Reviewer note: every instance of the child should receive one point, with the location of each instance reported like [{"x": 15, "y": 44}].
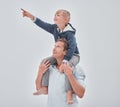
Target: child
[{"x": 60, "y": 29}]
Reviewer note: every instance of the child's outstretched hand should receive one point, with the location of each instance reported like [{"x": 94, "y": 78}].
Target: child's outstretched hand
[{"x": 27, "y": 14}]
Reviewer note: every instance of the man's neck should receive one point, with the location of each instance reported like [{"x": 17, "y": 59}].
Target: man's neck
[{"x": 59, "y": 62}]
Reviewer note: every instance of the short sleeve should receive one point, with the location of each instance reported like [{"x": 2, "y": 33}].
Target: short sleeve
[{"x": 80, "y": 75}]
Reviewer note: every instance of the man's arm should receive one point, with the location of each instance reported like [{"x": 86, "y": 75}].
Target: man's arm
[
  {"x": 42, "y": 69},
  {"x": 38, "y": 80},
  {"x": 78, "y": 88}
]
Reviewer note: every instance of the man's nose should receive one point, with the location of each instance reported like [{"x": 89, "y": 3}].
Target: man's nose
[{"x": 54, "y": 49}]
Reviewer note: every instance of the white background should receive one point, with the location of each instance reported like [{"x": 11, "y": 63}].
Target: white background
[{"x": 23, "y": 45}]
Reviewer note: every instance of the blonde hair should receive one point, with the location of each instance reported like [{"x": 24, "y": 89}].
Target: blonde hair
[{"x": 65, "y": 13}]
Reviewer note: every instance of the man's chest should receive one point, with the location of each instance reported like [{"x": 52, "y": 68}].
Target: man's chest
[{"x": 57, "y": 80}]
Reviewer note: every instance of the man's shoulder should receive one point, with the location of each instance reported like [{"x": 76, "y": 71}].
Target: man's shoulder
[{"x": 79, "y": 71}]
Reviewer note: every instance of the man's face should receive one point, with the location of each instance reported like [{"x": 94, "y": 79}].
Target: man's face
[{"x": 58, "y": 50}]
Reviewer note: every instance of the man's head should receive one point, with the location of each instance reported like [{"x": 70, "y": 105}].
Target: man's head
[
  {"x": 62, "y": 17},
  {"x": 60, "y": 48}
]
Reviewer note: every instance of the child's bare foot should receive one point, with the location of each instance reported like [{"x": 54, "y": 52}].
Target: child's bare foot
[
  {"x": 40, "y": 91},
  {"x": 37, "y": 92},
  {"x": 70, "y": 101},
  {"x": 69, "y": 97}
]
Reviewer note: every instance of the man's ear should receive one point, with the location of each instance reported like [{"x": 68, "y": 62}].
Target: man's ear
[{"x": 65, "y": 52}]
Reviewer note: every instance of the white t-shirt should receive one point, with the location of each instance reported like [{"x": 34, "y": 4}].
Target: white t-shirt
[{"x": 57, "y": 94}]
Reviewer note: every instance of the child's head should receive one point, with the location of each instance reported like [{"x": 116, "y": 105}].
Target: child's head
[{"x": 62, "y": 17}]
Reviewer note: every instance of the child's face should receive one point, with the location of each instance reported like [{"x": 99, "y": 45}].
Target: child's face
[{"x": 59, "y": 18}]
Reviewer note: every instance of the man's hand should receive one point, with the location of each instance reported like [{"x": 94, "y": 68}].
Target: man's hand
[
  {"x": 42, "y": 69},
  {"x": 61, "y": 68},
  {"x": 44, "y": 66},
  {"x": 67, "y": 69}
]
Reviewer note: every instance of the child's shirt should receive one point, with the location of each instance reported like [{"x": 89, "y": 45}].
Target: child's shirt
[{"x": 68, "y": 33}]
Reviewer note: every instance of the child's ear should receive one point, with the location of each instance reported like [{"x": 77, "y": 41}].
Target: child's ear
[{"x": 66, "y": 20}]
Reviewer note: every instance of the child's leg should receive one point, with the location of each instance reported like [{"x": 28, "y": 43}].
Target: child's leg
[
  {"x": 43, "y": 85},
  {"x": 42, "y": 90},
  {"x": 45, "y": 78},
  {"x": 69, "y": 91},
  {"x": 72, "y": 62},
  {"x": 52, "y": 60},
  {"x": 69, "y": 97}
]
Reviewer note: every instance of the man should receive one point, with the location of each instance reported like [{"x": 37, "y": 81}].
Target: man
[{"x": 57, "y": 81}]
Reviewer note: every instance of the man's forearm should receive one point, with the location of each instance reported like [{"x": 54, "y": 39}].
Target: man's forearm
[
  {"x": 39, "y": 80},
  {"x": 77, "y": 87}
]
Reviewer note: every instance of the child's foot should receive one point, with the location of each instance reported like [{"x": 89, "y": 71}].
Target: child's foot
[
  {"x": 69, "y": 97},
  {"x": 70, "y": 101},
  {"x": 37, "y": 92},
  {"x": 40, "y": 91}
]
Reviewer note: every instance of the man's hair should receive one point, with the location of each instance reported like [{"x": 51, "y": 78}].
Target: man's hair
[{"x": 65, "y": 43}]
